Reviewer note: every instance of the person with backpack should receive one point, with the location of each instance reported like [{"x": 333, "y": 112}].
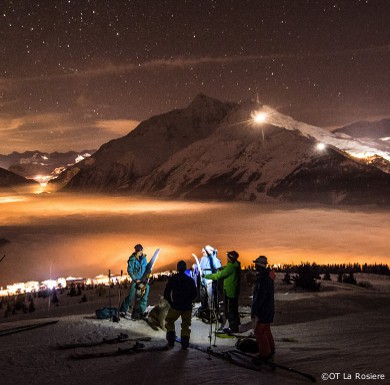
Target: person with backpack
[
  {"x": 180, "y": 292},
  {"x": 136, "y": 266},
  {"x": 231, "y": 289},
  {"x": 210, "y": 264},
  {"x": 263, "y": 308}
]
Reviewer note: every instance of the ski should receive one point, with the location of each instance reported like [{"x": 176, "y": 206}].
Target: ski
[
  {"x": 110, "y": 341},
  {"x": 135, "y": 349},
  {"x": 243, "y": 336},
  {"x": 198, "y": 264},
  {"x": 19, "y": 329},
  {"x": 149, "y": 267},
  {"x": 225, "y": 356},
  {"x": 272, "y": 364}
]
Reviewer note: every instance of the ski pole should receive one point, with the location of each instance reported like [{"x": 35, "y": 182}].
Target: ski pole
[
  {"x": 109, "y": 293},
  {"x": 120, "y": 289},
  {"x": 216, "y": 313}
]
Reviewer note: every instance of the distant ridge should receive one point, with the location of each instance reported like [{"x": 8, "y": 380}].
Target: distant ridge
[
  {"x": 214, "y": 150},
  {"x": 10, "y": 180}
]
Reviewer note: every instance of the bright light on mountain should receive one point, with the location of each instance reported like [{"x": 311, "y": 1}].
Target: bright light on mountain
[
  {"x": 321, "y": 146},
  {"x": 259, "y": 117}
]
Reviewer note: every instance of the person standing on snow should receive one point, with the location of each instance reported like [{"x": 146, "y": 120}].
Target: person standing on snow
[
  {"x": 180, "y": 292},
  {"x": 263, "y": 308},
  {"x": 231, "y": 289},
  {"x": 136, "y": 266},
  {"x": 210, "y": 264}
]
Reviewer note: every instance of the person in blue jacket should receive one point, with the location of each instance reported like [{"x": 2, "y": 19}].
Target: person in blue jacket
[
  {"x": 210, "y": 264},
  {"x": 136, "y": 266}
]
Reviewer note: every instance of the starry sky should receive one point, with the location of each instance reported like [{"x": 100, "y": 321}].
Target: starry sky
[{"x": 77, "y": 73}]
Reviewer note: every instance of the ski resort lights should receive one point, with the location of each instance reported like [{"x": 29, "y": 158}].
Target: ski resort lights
[
  {"x": 320, "y": 146},
  {"x": 259, "y": 117}
]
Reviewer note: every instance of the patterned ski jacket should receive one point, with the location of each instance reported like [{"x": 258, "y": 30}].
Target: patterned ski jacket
[
  {"x": 231, "y": 278},
  {"x": 136, "y": 267},
  {"x": 263, "y": 305}
]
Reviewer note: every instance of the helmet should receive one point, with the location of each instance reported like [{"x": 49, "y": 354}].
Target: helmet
[
  {"x": 208, "y": 249},
  {"x": 232, "y": 255},
  {"x": 261, "y": 261}
]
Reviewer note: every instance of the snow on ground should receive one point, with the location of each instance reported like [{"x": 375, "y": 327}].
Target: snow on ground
[{"x": 343, "y": 329}]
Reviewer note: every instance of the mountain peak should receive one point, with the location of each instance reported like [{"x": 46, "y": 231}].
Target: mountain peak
[{"x": 203, "y": 101}]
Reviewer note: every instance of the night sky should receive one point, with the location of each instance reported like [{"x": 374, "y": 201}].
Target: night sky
[{"x": 74, "y": 74}]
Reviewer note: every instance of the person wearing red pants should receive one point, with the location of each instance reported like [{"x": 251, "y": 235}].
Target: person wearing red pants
[{"x": 263, "y": 308}]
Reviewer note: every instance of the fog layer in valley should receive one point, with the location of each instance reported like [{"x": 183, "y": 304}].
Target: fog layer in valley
[{"x": 60, "y": 235}]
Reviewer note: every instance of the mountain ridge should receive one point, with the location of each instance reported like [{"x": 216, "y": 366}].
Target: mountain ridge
[{"x": 216, "y": 150}]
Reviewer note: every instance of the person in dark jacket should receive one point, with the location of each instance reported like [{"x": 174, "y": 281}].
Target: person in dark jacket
[
  {"x": 231, "y": 289},
  {"x": 180, "y": 292},
  {"x": 263, "y": 308}
]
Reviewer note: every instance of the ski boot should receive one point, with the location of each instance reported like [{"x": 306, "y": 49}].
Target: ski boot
[
  {"x": 171, "y": 337},
  {"x": 185, "y": 342}
]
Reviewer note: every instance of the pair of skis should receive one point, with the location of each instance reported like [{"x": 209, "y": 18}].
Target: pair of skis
[
  {"x": 120, "y": 338},
  {"x": 233, "y": 356},
  {"x": 251, "y": 336},
  {"x": 138, "y": 347},
  {"x": 19, "y": 329}
]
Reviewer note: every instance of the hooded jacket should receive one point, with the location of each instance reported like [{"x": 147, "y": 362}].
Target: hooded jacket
[
  {"x": 263, "y": 305},
  {"x": 231, "y": 278},
  {"x": 136, "y": 267}
]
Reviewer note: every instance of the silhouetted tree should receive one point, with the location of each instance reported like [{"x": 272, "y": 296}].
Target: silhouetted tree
[
  {"x": 349, "y": 279},
  {"x": 327, "y": 277},
  {"x": 306, "y": 277}
]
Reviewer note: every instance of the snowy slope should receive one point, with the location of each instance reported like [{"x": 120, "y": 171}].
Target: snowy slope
[
  {"x": 213, "y": 150},
  {"x": 245, "y": 161},
  {"x": 119, "y": 163}
]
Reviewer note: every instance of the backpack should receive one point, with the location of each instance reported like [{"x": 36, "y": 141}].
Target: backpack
[
  {"x": 206, "y": 315},
  {"x": 247, "y": 345},
  {"x": 107, "y": 312}
]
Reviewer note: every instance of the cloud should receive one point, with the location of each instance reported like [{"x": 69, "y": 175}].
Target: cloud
[
  {"x": 85, "y": 234},
  {"x": 118, "y": 126},
  {"x": 108, "y": 69},
  {"x": 58, "y": 131}
]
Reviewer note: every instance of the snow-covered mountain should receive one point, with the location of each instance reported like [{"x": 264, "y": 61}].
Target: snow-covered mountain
[
  {"x": 375, "y": 130},
  {"x": 36, "y": 164},
  {"x": 215, "y": 150},
  {"x": 118, "y": 164}
]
